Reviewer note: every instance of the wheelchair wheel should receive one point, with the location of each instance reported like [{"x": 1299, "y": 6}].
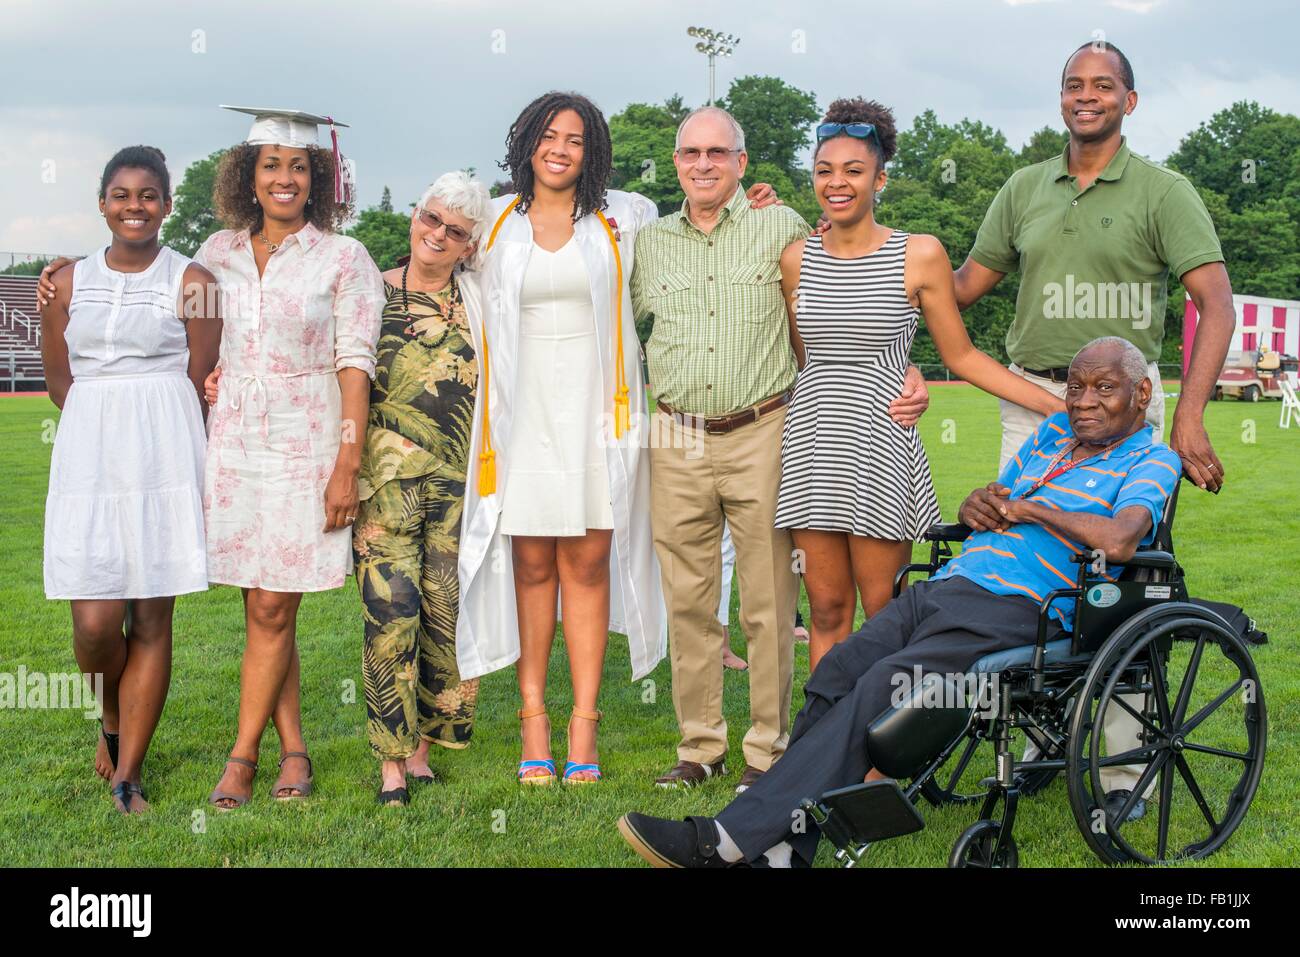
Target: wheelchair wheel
[
  {"x": 978, "y": 847},
  {"x": 1189, "y": 683}
]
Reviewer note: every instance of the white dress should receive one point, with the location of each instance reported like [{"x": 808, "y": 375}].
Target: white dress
[
  {"x": 124, "y": 515},
  {"x": 558, "y": 483}
]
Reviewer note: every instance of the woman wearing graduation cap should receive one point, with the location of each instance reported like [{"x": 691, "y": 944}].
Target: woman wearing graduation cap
[
  {"x": 302, "y": 304},
  {"x": 559, "y": 508}
]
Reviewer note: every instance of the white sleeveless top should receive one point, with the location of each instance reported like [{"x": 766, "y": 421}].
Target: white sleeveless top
[{"x": 126, "y": 323}]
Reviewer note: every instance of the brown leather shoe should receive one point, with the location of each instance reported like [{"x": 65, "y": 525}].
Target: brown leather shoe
[
  {"x": 690, "y": 773},
  {"x": 751, "y": 775}
]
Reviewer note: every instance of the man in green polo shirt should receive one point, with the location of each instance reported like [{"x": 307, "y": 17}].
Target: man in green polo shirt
[
  {"x": 1094, "y": 233},
  {"x": 721, "y": 369}
]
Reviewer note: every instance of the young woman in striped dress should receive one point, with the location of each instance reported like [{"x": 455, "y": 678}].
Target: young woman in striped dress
[{"x": 855, "y": 485}]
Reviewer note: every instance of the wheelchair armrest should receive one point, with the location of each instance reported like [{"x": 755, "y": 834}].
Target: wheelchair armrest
[
  {"x": 1145, "y": 558},
  {"x": 949, "y": 532},
  {"x": 1151, "y": 558}
]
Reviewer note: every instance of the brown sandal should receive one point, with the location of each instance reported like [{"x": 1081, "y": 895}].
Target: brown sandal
[
  {"x": 302, "y": 787},
  {"x": 239, "y": 799}
]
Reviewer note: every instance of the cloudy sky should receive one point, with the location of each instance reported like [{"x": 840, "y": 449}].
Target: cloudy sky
[{"x": 430, "y": 85}]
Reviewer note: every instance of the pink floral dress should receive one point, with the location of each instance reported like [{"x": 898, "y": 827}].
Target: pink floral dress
[{"x": 273, "y": 435}]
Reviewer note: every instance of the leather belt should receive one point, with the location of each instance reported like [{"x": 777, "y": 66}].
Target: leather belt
[
  {"x": 722, "y": 424},
  {"x": 1057, "y": 374}
]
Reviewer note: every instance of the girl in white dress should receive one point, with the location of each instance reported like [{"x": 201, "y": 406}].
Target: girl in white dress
[
  {"x": 127, "y": 341},
  {"x": 562, "y": 491},
  {"x": 559, "y": 483}
]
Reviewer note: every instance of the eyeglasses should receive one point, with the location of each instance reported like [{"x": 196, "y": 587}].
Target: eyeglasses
[
  {"x": 859, "y": 131},
  {"x": 433, "y": 221},
  {"x": 716, "y": 154}
]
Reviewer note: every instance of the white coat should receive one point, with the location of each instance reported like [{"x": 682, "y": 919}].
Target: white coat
[{"x": 487, "y": 628}]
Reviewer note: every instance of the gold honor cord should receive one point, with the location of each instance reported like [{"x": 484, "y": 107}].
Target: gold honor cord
[
  {"x": 620, "y": 379},
  {"x": 487, "y": 456},
  {"x": 487, "y": 466}
]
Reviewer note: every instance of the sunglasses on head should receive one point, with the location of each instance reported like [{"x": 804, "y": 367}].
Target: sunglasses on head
[
  {"x": 859, "y": 131},
  {"x": 433, "y": 221}
]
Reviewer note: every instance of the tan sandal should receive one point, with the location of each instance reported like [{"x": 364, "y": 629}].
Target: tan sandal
[
  {"x": 302, "y": 787},
  {"x": 573, "y": 767},
  {"x": 239, "y": 799},
  {"x": 547, "y": 763}
]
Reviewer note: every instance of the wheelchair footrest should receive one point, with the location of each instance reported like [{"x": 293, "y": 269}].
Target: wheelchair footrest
[{"x": 865, "y": 813}]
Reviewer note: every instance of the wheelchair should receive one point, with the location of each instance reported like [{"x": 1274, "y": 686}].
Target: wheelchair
[{"x": 1179, "y": 667}]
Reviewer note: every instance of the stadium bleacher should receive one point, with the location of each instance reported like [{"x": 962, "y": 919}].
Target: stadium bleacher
[{"x": 20, "y": 336}]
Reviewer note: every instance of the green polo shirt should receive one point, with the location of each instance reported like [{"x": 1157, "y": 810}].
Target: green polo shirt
[
  {"x": 721, "y": 340},
  {"x": 1093, "y": 262}
]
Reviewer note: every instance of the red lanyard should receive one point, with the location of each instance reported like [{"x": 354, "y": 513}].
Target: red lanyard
[{"x": 1054, "y": 467}]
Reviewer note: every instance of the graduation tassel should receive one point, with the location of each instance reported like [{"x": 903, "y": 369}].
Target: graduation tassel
[
  {"x": 342, "y": 185},
  {"x": 621, "y": 402},
  {"x": 487, "y": 472}
]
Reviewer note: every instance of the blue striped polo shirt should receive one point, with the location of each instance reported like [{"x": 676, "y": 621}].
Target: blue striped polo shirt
[{"x": 1030, "y": 560}]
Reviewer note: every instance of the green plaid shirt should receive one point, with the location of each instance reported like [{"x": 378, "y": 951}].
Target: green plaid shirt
[{"x": 721, "y": 340}]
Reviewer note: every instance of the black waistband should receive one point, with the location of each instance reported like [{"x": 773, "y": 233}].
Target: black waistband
[{"x": 1057, "y": 374}]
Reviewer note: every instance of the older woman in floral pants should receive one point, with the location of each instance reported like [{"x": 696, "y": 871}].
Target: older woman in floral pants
[{"x": 412, "y": 484}]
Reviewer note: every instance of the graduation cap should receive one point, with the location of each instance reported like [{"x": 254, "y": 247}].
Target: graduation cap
[{"x": 296, "y": 128}]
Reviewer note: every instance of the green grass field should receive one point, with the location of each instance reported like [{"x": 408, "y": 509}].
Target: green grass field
[{"x": 1239, "y": 546}]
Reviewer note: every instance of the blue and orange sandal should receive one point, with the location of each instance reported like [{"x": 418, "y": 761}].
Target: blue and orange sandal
[
  {"x": 572, "y": 768},
  {"x": 547, "y": 763}
]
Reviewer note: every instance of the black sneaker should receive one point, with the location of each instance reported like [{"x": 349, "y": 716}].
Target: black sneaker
[
  {"x": 664, "y": 843},
  {"x": 1115, "y": 803}
]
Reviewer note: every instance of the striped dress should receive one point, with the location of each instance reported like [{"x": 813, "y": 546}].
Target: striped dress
[{"x": 845, "y": 465}]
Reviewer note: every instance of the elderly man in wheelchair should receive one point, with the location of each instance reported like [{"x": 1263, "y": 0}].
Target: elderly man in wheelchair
[{"x": 1065, "y": 601}]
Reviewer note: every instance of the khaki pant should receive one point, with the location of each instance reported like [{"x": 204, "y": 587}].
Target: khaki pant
[
  {"x": 696, "y": 481},
  {"x": 1018, "y": 423}
]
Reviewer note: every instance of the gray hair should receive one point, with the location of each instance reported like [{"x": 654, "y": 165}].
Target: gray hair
[
  {"x": 1131, "y": 359},
  {"x": 461, "y": 193},
  {"x": 739, "y": 138}
]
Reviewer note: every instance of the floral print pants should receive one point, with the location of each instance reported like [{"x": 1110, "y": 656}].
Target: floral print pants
[{"x": 405, "y": 541}]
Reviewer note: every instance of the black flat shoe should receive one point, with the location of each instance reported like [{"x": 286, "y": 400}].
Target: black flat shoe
[
  {"x": 110, "y": 742},
  {"x": 395, "y": 797},
  {"x": 424, "y": 778},
  {"x": 122, "y": 792},
  {"x": 664, "y": 843}
]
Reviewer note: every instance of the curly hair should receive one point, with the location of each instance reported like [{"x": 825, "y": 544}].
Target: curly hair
[
  {"x": 858, "y": 110},
  {"x": 597, "y": 153},
  {"x": 233, "y": 191},
  {"x": 138, "y": 157}
]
